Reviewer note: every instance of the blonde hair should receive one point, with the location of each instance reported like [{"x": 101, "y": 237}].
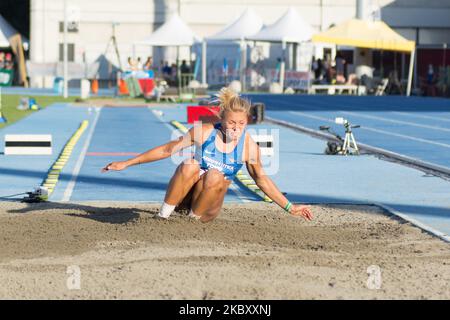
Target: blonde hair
[{"x": 229, "y": 100}]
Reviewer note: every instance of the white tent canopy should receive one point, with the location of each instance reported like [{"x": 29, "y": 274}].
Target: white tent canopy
[
  {"x": 175, "y": 32},
  {"x": 288, "y": 28},
  {"x": 6, "y": 31},
  {"x": 248, "y": 24}
]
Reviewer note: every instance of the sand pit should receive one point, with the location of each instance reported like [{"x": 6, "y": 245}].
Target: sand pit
[{"x": 252, "y": 251}]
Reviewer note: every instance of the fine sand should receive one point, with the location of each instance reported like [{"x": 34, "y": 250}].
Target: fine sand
[{"x": 251, "y": 251}]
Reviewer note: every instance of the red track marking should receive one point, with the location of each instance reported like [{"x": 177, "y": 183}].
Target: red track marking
[{"x": 112, "y": 154}]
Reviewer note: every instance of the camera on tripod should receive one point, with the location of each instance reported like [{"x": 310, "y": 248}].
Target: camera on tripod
[{"x": 346, "y": 146}]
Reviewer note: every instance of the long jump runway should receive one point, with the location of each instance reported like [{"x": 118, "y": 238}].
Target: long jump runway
[{"x": 122, "y": 133}]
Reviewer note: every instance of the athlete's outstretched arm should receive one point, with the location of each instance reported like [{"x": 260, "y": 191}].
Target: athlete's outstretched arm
[
  {"x": 155, "y": 154},
  {"x": 266, "y": 184}
]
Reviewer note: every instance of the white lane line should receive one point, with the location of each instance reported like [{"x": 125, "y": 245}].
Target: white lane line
[
  {"x": 421, "y": 116},
  {"x": 377, "y": 130},
  {"x": 395, "y": 121},
  {"x": 71, "y": 185},
  {"x": 410, "y": 114},
  {"x": 233, "y": 186}
]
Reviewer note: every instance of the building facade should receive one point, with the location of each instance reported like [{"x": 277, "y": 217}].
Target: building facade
[{"x": 425, "y": 21}]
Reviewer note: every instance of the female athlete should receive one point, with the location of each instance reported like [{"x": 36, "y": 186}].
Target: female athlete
[{"x": 201, "y": 182}]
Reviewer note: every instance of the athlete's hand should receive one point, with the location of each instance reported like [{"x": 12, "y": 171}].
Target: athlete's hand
[
  {"x": 302, "y": 211},
  {"x": 115, "y": 166}
]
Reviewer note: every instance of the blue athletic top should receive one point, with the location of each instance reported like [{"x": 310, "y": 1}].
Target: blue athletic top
[{"x": 210, "y": 157}]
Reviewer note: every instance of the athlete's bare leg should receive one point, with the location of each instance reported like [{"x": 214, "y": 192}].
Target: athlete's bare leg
[
  {"x": 186, "y": 175},
  {"x": 208, "y": 196}
]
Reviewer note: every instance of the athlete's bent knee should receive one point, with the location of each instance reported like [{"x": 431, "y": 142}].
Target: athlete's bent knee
[
  {"x": 214, "y": 179},
  {"x": 189, "y": 169}
]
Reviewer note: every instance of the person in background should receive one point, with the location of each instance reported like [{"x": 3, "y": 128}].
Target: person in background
[
  {"x": 321, "y": 69},
  {"x": 340, "y": 68},
  {"x": 324, "y": 70},
  {"x": 314, "y": 67},
  {"x": 352, "y": 79},
  {"x": 278, "y": 69},
  {"x": 2, "y": 60},
  {"x": 9, "y": 64},
  {"x": 166, "y": 70},
  {"x": 430, "y": 74},
  {"x": 394, "y": 85},
  {"x": 139, "y": 64},
  {"x": 328, "y": 70},
  {"x": 148, "y": 64},
  {"x": 161, "y": 68},
  {"x": 173, "y": 72},
  {"x": 131, "y": 64},
  {"x": 148, "y": 68},
  {"x": 430, "y": 88},
  {"x": 317, "y": 68},
  {"x": 184, "y": 68}
]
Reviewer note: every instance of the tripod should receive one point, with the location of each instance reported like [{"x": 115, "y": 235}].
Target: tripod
[
  {"x": 112, "y": 40},
  {"x": 349, "y": 140},
  {"x": 346, "y": 146}
]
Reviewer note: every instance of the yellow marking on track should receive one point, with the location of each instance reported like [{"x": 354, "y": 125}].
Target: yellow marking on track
[{"x": 52, "y": 177}]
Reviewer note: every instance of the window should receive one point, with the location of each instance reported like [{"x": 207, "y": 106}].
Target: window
[
  {"x": 71, "y": 27},
  {"x": 70, "y": 52}
]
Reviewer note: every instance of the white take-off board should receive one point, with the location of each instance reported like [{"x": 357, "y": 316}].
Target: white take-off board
[{"x": 28, "y": 144}]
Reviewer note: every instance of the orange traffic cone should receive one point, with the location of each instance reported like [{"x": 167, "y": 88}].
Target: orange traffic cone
[
  {"x": 94, "y": 86},
  {"x": 123, "y": 87}
]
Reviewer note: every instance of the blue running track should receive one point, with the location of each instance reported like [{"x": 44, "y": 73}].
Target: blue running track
[{"x": 413, "y": 126}]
